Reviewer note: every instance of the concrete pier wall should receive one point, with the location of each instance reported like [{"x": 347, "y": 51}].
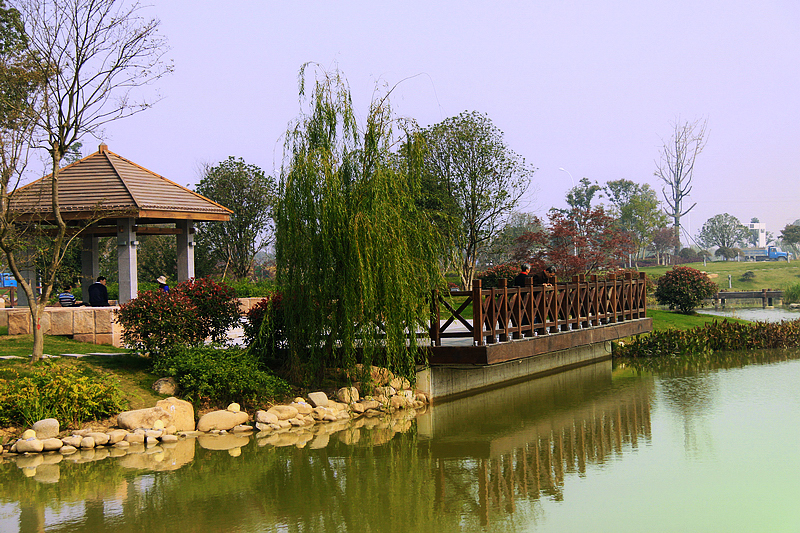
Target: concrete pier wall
[{"x": 448, "y": 382}]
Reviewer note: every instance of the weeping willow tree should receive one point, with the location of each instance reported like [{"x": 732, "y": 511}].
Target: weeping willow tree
[{"x": 356, "y": 258}]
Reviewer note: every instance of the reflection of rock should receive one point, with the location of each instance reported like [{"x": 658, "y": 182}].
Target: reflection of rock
[
  {"x": 319, "y": 441},
  {"x": 159, "y": 458},
  {"x": 349, "y": 436},
  {"x": 47, "y": 474},
  {"x": 29, "y": 461},
  {"x": 222, "y": 442}
]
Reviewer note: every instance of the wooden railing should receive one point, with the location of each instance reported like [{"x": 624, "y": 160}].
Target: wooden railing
[{"x": 507, "y": 313}]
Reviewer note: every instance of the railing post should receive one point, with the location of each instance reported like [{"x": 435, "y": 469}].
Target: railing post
[
  {"x": 435, "y": 319},
  {"x": 612, "y": 297},
  {"x": 763, "y": 298},
  {"x": 629, "y": 299},
  {"x": 555, "y": 308},
  {"x": 594, "y": 301},
  {"x": 504, "y": 309},
  {"x": 477, "y": 313},
  {"x": 642, "y": 295}
]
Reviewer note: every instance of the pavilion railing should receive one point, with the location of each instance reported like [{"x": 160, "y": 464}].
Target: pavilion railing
[{"x": 505, "y": 313}]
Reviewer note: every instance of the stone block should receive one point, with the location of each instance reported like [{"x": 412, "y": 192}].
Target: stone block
[
  {"x": 84, "y": 337},
  {"x": 104, "y": 338},
  {"x": 19, "y": 322},
  {"x": 3, "y": 318},
  {"x": 61, "y": 321},
  {"x": 103, "y": 319},
  {"x": 83, "y": 321}
]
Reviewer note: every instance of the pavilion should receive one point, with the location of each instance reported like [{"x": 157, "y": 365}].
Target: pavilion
[{"x": 106, "y": 195}]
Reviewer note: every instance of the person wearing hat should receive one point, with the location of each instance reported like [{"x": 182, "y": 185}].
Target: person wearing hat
[{"x": 162, "y": 283}]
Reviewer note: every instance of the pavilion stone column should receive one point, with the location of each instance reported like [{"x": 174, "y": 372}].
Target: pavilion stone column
[
  {"x": 185, "y": 247},
  {"x": 126, "y": 257},
  {"x": 30, "y": 275},
  {"x": 90, "y": 264}
]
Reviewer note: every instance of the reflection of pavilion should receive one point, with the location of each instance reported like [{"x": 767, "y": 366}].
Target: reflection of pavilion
[{"x": 521, "y": 441}]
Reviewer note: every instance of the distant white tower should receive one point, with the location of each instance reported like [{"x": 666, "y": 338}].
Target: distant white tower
[{"x": 761, "y": 230}]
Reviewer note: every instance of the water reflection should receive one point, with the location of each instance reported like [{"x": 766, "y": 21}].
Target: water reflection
[
  {"x": 519, "y": 443},
  {"x": 481, "y": 461}
]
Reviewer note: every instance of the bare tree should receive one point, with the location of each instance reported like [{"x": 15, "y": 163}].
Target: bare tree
[
  {"x": 676, "y": 167},
  {"x": 91, "y": 55}
]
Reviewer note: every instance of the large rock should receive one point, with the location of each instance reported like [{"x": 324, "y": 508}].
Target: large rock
[
  {"x": 222, "y": 420},
  {"x": 283, "y": 412},
  {"x": 181, "y": 413},
  {"x": 46, "y": 429},
  {"x": 399, "y": 383},
  {"x": 52, "y": 444},
  {"x": 302, "y": 407},
  {"x": 166, "y": 386},
  {"x": 318, "y": 399},
  {"x": 30, "y": 446},
  {"x": 347, "y": 395},
  {"x": 266, "y": 418},
  {"x": 171, "y": 411}
]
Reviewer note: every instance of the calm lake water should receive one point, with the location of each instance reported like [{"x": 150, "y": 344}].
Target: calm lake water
[{"x": 596, "y": 449}]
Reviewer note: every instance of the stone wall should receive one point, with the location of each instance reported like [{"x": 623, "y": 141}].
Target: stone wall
[{"x": 95, "y": 325}]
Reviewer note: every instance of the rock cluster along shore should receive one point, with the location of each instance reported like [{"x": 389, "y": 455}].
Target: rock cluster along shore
[{"x": 171, "y": 421}]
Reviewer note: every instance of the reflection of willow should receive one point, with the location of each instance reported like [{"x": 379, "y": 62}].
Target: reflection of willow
[{"x": 534, "y": 463}]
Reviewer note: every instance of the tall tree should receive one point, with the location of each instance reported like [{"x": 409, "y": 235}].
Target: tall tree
[
  {"x": 637, "y": 210},
  {"x": 250, "y": 194},
  {"x": 663, "y": 240},
  {"x": 675, "y": 168},
  {"x": 790, "y": 236},
  {"x": 723, "y": 231},
  {"x": 502, "y": 247},
  {"x": 484, "y": 177},
  {"x": 91, "y": 55},
  {"x": 356, "y": 255},
  {"x": 599, "y": 244},
  {"x": 20, "y": 94}
]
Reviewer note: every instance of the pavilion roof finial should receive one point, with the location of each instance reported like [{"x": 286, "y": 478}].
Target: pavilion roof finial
[{"x": 103, "y": 148}]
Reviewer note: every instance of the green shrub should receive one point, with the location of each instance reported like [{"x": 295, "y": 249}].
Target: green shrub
[
  {"x": 712, "y": 337},
  {"x": 490, "y": 278},
  {"x": 212, "y": 376},
  {"x": 217, "y": 307},
  {"x": 747, "y": 276},
  {"x": 253, "y": 289},
  {"x": 155, "y": 321},
  {"x": 791, "y": 294},
  {"x": 57, "y": 391},
  {"x": 684, "y": 289},
  {"x": 191, "y": 312},
  {"x": 264, "y": 331}
]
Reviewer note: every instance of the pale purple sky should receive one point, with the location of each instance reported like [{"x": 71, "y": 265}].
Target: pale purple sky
[{"x": 591, "y": 86}]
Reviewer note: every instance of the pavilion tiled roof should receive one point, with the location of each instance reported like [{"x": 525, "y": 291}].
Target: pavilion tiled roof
[{"x": 105, "y": 182}]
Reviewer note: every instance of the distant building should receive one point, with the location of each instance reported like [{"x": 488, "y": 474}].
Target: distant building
[{"x": 759, "y": 229}]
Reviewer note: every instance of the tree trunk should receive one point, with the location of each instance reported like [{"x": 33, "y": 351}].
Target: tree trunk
[{"x": 37, "y": 310}]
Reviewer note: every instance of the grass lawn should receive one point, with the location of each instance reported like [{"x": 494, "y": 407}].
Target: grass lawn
[
  {"x": 671, "y": 320},
  {"x": 767, "y": 274},
  {"x": 132, "y": 372}
]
